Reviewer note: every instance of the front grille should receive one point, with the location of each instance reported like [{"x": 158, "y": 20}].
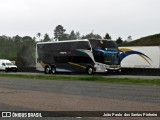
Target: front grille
[
  {"x": 113, "y": 66},
  {"x": 13, "y": 68}
]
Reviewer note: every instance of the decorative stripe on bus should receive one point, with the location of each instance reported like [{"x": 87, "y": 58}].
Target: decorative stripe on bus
[
  {"x": 126, "y": 52},
  {"x": 42, "y": 64},
  {"x": 77, "y": 65}
]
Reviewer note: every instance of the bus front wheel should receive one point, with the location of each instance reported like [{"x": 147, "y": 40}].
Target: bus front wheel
[
  {"x": 47, "y": 70},
  {"x": 90, "y": 70}
]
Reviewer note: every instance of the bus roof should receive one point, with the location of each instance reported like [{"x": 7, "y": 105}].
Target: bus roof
[
  {"x": 62, "y": 41},
  {"x": 72, "y": 41},
  {"x": 100, "y": 39}
]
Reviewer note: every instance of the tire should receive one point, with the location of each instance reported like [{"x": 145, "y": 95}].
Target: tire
[
  {"x": 47, "y": 70},
  {"x": 90, "y": 70},
  {"x": 53, "y": 69}
]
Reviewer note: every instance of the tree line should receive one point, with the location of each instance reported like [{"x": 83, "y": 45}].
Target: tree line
[
  {"x": 18, "y": 49},
  {"x": 22, "y": 50},
  {"x": 60, "y": 35}
]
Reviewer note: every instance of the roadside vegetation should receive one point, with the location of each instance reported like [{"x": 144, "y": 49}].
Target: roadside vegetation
[
  {"x": 94, "y": 78},
  {"x": 152, "y": 40}
]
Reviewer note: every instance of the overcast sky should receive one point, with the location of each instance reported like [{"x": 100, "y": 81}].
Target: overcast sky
[{"x": 136, "y": 18}]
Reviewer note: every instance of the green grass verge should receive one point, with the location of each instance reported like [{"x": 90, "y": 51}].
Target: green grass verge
[{"x": 86, "y": 78}]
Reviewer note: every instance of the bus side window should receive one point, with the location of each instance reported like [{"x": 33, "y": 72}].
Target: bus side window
[
  {"x": 98, "y": 56},
  {"x": 62, "y": 59},
  {"x": 75, "y": 59},
  {"x": 86, "y": 60},
  {"x": 81, "y": 59}
]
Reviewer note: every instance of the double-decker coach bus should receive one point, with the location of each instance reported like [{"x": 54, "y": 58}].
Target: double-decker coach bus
[{"x": 88, "y": 55}]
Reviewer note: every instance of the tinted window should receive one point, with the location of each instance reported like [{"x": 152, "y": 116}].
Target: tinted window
[
  {"x": 74, "y": 59},
  {"x": 62, "y": 59},
  {"x": 104, "y": 44},
  {"x": 64, "y": 46},
  {"x": 81, "y": 59},
  {"x": 98, "y": 56},
  {"x": 111, "y": 59}
]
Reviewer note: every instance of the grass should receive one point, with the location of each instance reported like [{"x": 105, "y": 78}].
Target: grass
[{"x": 87, "y": 78}]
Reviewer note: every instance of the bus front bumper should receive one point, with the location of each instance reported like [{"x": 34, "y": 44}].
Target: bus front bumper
[
  {"x": 113, "y": 70},
  {"x": 107, "y": 68}
]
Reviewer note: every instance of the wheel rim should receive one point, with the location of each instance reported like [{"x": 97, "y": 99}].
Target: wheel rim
[
  {"x": 47, "y": 70},
  {"x": 90, "y": 71},
  {"x": 53, "y": 70}
]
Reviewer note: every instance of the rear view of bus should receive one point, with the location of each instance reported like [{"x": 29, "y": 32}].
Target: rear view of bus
[{"x": 106, "y": 55}]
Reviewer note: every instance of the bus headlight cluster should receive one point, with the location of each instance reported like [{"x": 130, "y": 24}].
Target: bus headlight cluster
[{"x": 95, "y": 66}]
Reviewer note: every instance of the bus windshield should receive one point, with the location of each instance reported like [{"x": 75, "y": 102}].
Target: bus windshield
[
  {"x": 111, "y": 59},
  {"x": 104, "y": 44}
]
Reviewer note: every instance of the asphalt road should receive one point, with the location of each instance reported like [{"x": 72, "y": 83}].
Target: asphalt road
[{"x": 58, "y": 95}]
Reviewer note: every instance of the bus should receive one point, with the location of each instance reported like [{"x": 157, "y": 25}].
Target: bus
[{"x": 88, "y": 55}]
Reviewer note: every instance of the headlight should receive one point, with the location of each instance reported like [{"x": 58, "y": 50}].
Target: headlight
[{"x": 95, "y": 66}]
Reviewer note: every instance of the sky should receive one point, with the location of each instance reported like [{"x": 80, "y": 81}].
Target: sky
[{"x": 119, "y": 18}]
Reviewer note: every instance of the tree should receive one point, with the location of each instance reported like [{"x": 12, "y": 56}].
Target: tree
[
  {"x": 7, "y": 49},
  {"x": 18, "y": 49},
  {"x": 119, "y": 40},
  {"x": 78, "y": 35},
  {"x": 107, "y": 36},
  {"x": 46, "y": 38},
  {"x": 26, "y": 52},
  {"x": 59, "y": 33},
  {"x": 72, "y": 35},
  {"x": 129, "y": 39},
  {"x": 39, "y": 35},
  {"x": 91, "y": 35},
  {"x": 66, "y": 36},
  {"x": 17, "y": 43}
]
